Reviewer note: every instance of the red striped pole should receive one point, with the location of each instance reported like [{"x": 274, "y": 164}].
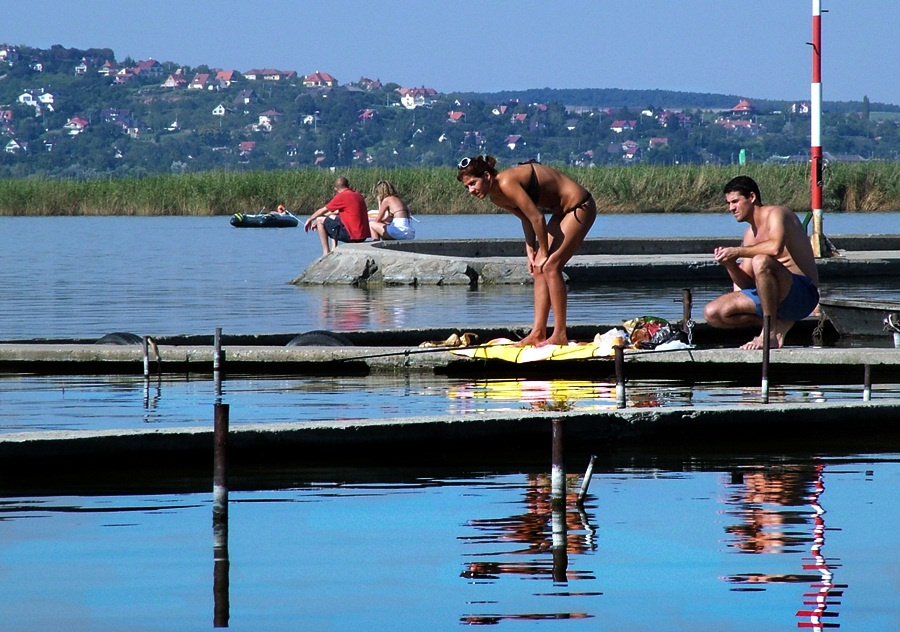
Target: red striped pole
[{"x": 816, "y": 165}]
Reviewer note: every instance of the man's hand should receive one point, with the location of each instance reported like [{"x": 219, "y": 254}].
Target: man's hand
[{"x": 725, "y": 254}]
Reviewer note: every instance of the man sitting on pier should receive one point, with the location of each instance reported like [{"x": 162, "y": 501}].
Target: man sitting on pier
[
  {"x": 773, "y": 270},
  {"x": 345, "y": 218}
]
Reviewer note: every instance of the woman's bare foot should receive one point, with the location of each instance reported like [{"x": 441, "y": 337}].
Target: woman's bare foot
[
  {"x": 531, "y": 339},
  {"x": 554, "y": 340}
]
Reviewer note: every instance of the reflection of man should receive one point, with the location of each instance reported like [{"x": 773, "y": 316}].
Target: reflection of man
[
  {"x": 345, "y": 218},
  {"x": 773, "y": 270}
]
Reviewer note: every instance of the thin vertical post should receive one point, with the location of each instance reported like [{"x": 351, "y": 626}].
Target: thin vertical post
[
  {"x": 620, "y": 376},
  {"x": 767, "y": 328},
  {"x": 687, "y": 304},
  {"x": 867, "y": 383},
  {"x": 586, "y": 481},
  {"x": 558, "y": 504},
  {"x": 220, "y": 460},
  {"x": 218, "y": 358},
  {"x": 145, "y": 349},
  {"x": 558, "y": 469},
  {"x": 217, "y": 350},
  {"x": 817, "y": 165}
]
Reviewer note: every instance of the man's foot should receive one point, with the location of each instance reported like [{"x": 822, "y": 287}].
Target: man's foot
[
  {"x": 776, "y": 338},
  {"x": 757, "y": 343}
]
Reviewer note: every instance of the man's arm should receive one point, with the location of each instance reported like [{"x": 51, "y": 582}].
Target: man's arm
[{"x": 318, "y": 213}]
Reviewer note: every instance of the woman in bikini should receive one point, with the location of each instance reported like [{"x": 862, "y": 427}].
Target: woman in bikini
[
  {"x": 393, "y": 219},
  {"x": 524, "y": 190}
]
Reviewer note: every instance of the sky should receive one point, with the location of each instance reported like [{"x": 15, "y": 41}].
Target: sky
[{"x": 754, "y": 49}]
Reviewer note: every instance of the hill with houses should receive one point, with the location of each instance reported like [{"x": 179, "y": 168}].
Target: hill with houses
[{"x": 84, "y": 113}]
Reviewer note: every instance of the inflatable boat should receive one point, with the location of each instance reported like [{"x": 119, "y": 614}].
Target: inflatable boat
[{"x": 264, "y": 220}]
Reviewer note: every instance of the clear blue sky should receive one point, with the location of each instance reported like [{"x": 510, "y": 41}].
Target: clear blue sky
[{"x": 754, "y": 49}]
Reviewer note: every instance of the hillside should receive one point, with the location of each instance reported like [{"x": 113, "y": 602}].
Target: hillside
[{"x": 84, "y": 114}]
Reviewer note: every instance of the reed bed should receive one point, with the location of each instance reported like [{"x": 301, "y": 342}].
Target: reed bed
[{"x": 866, "y": 187}]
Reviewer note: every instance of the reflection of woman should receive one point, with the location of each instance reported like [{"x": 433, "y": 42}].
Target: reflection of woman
[
  {"x": 524, "y": 190},
  {"x": 393, "y": 219}
]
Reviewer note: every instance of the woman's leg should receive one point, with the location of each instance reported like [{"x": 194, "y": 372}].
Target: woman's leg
[{"x": 567, "y": 233}]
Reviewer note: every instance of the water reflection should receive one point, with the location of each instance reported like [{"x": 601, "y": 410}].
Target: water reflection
[
  {"x": 37, "y": 402},
  {"x": 455, "y": 546},
  {"x": 773, "y": 505},
  {"x": 552, "y": 527}
]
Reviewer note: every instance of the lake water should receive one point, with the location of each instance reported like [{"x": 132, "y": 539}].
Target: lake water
[
  {"x": 744, "y": 542},
  {"x": 89, "y": 276}
]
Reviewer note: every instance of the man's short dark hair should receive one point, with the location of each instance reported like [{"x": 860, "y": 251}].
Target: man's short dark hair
[{"x": 745, "y": 185}]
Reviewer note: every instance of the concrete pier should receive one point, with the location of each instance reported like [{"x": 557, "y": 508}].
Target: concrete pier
[
  {"x": 429, "y": 438},
  {"x": 472, "y": 262}
]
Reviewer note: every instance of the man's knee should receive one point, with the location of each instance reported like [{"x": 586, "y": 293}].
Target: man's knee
[
  {"x": 764, "y": 264},
  {"x": 711, "y": 313}
]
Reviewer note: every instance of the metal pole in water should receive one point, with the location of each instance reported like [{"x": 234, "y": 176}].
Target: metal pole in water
[
  {"x": 145, "y": 348},
  {"x": 586, "y": 482},
  {"x": 558, "y": 470},
  {"x": 220, "y": 460},
  {"x": 218, "y": 357},
  {"x": 767, "y": 327},
  {"x": 558, "y": 504},
  {"x": 620, "y": 376},
  {"x": 221, "y": 563},
  {"x": 217, "y": 350},
  {"x": 867, "y": 383}
]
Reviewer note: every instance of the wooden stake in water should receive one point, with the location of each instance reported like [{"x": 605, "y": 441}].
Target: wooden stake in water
[
  {"x": 687, "y": 304},
  {"x": 767, "y": 328}
]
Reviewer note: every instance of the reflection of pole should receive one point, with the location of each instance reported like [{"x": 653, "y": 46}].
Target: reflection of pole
[
  {"x": 558, "y": 471},
  {"x": 767, "y": 328},
  {"x": 620, "y": 375},
  {"x": 828, "y": 593},
  {"x": 558, "y": 504},
  {"x": 221, "y": 568},
  {"x": 867, "y": 383},
  {"x": 220, "y": 517}
]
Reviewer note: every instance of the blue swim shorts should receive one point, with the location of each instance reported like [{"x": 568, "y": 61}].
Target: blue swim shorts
[{"x": 800, "y": 301}]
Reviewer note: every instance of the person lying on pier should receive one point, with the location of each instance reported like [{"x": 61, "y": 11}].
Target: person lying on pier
[
  {"x": 524, "y": 190},
  {"x": 393, "y": 219},
  {"x": 345, "y": 217},
  {"x": 773, "y": 271}
]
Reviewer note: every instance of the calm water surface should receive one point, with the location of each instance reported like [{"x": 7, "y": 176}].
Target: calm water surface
[
  {"x": 89, "y": 276},
  {"x": 98, "y": 402},
  {"x": 732, "y": 543},
  {"x": 745, "y": 544}
]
